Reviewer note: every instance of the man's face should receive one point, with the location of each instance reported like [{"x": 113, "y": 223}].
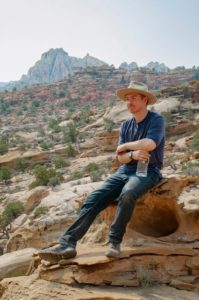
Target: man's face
[{"x": 135, "y": 102}]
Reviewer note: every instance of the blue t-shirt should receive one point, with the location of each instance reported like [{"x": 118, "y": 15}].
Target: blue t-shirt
[{"x": 151, "y": 127}]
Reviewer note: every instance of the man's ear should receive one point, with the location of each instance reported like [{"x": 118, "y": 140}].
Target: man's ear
[{"x": 146, "y": 99}]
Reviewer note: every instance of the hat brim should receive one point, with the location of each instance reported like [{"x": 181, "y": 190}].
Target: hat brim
[{"x": 123, "y": 92}]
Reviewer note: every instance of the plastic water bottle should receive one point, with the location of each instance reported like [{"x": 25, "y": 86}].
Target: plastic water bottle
[{"x": 142, "y": 168}]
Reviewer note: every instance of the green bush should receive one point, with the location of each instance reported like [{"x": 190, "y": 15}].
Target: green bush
[
  {"x": 195, "y": 141},
  {"x": 3, "y": 145},
  {"x": 39, "y": 211},
  {"x": 91, "y": 167},
  {"x": 191, "y": 169},
  {"x": 41, "y": 131},
  {"x": 167, "y": 115},
  {"x": 70, "y": 151},
  {"x": 53, "y": 181},
  {"x": 46, "y": 145},
  {"x": 60, "y": 162},
  {"x": 43, "y": 176},
  {"x": 62, "y": 94},
  {"x": 96, "y": 175},
  {"x": 4, "y": 107},
  {"x": 21, "y": 164},
  {"x": 109, "y": 125},
  {"x": 70, "y": 134},
  {"x": 54, "y": 125},
  {"x": 53, "y": 92},
  {"x": 76, "y": 175},
  {"x": 11, "y": 212},
  {"x": 5, "y": 174}
]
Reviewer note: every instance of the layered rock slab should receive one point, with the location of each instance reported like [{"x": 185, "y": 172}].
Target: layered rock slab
[
  {"x": 136, "y": 266},
  {"x": 31, "y": 288}
]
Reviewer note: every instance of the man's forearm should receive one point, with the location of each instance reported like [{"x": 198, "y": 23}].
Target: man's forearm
[{"x": 143, "y": 144}]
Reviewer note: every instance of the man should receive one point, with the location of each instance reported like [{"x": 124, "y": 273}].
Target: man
[{"x": 142, "y": 137}]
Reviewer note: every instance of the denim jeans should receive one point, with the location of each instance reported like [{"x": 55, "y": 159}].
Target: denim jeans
[{"x": 127, "y": 188}]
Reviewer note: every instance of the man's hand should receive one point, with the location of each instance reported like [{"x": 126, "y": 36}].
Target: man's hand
[
  {"x": 121, "y": 149},
  {"x": 124, "y": 157},
  {"x": 141, "y": 155}
]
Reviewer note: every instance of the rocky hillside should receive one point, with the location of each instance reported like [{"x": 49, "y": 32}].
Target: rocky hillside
[
  {"x": 57, "y": 144},
  {"x": 56, "y": 65}
]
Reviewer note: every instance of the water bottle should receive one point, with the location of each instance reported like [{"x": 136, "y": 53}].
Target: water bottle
[{"x": 142, "y": 168}]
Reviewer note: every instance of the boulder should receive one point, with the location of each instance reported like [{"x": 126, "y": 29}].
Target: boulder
[
  {"x": 34, "y": 197},
  {"x": 17, "y": 261}
]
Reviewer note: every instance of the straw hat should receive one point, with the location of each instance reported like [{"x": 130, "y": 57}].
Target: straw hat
[{"x": 136, "y": 87}]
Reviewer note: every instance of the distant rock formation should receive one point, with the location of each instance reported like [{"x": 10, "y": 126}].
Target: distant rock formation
[
  {"x": 152, "y": 66},
  {"x": 54, "y": 65},
  {"x": 157, "y": 67},
  {"x": 132, "y": 66}
]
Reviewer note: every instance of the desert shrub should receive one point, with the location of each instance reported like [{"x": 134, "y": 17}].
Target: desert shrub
[
  {"x": 53, "y": 181},
  {"x": 170, "y": 161},
  {"x": 43, "y": 176},
  {"x": 11, "y": 212},
  {"x": 60, "y": 162},
  {"x": 96, "y": 175},
  {"x": 70, "y": 151},
  {"x": 112, "y": 102},
  {"x": 195, "y": 141},
  {"x": 41, "y": 131},
  {"x": 39, "y": 211},
  {"x": 91, "y": 167},
  {"x": 36, "y": 103},
  {"x": 109, "y": 124},
  {"x": 191, "y": 169},
  {"x": 3, "y": 145},
  {"x": 62, "y": 94},
  {"x": 76, "y": 175},
  {"x": 21, "y": 164},
  {"x": 145, "y": 276},
  {"x": 84, "y": 118},
  {"x": 167, "y": 115},
  {"x": 5, "y": 174},
  {"x": 46, "y": 145},
  {"x": 4, "y": 107},
  {"x": 54, "y": 125},
  {"x": 70, "y": 134},
  {"x": 53, "y": 92}
]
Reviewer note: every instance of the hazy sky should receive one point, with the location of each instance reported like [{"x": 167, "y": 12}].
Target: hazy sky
[{"x": 111, "y": 30}]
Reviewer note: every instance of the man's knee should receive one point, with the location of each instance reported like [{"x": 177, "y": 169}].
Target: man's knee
[{"x": 128, "y": 198}]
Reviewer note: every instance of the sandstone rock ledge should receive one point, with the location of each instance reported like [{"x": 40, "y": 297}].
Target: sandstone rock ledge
[
  {"x": 160, "y": 251},
  {"x": 31, "y": 288},
  {"x": 160, "y": 246},
  {"x": 138, "y": 266}
]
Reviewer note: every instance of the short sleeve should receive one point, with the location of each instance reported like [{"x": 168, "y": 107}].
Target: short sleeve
[
  {"x": 156, "y": 130},
  {"x": 121, "y": 135}
]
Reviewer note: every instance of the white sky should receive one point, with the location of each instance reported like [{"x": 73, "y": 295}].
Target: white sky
[{"x": 111, "y": 30}]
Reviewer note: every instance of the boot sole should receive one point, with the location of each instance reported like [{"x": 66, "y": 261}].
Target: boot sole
[
  {"x": 112, "y": 255},
  {"x": 54, "y": 257}
]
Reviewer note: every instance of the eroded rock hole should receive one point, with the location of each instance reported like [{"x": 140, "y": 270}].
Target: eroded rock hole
[{"x": 155, "y": 220}]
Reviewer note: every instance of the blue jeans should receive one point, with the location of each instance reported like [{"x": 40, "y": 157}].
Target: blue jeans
[{"x": 127, "y": 188}]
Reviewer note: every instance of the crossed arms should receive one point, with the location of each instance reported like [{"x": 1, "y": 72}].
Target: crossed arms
[{"x": 140, "y": 148}]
